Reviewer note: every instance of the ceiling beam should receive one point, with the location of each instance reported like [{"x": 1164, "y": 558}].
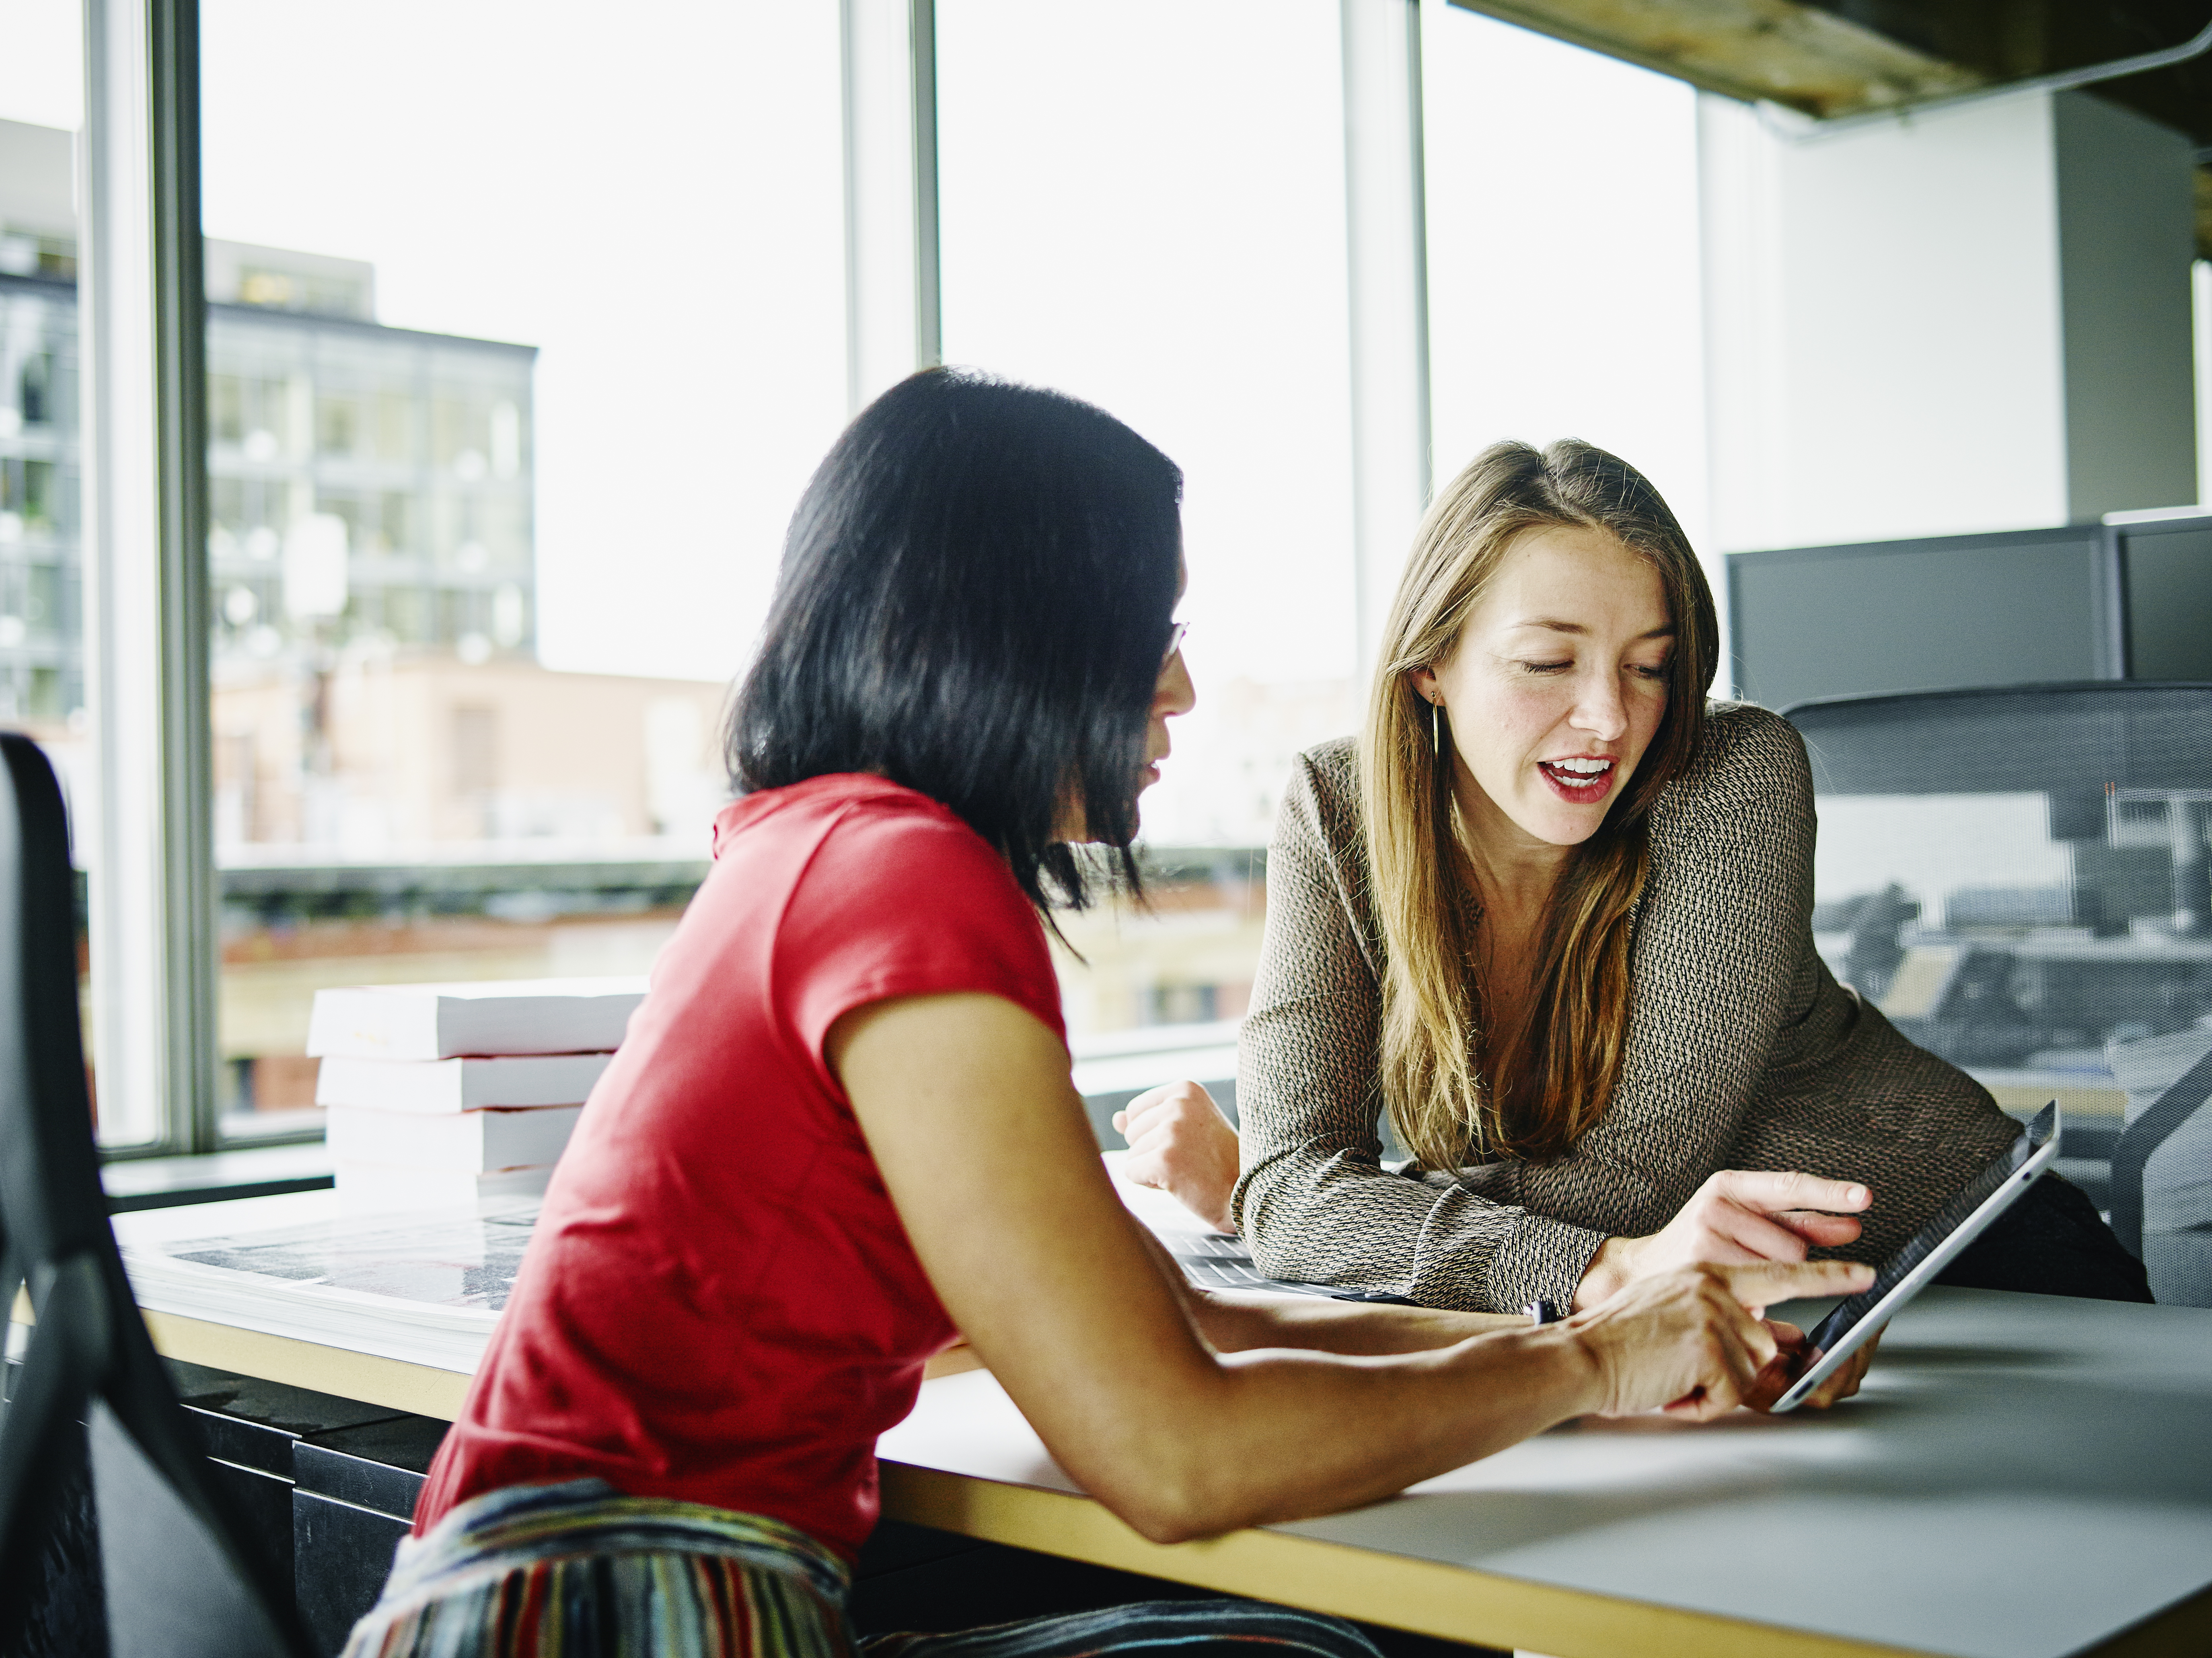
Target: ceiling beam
[
  {"x": 1778, "y": 50},
  {"x": 1808, "y": 58}
]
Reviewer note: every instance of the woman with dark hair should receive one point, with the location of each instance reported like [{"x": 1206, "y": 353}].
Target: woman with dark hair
[
  {"x": 841, "y": 1133},
  {"x": 1551, "y": 913}
]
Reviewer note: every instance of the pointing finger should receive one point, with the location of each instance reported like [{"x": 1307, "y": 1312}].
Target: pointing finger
[
  {"x": 1765, "y": 1283},
  {"x": 1770, "y": 1191}
]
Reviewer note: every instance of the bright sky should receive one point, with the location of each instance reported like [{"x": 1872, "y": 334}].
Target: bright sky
[
  {"x": 655, "y": 207},
  {"x": 1563, "y": 254},
  {"x": 42, "y": 71},
  {"x": 1142, "y": 205}
]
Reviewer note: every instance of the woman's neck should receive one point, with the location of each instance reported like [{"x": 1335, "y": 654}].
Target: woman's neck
[{"x": 1515, "y": 873}]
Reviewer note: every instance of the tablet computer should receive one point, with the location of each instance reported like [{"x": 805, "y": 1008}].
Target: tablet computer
[{"x": 1955, "y": 1225}]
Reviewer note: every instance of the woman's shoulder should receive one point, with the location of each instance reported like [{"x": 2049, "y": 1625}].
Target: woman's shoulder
[
  {"x": 1748, "y": 756},
  {"x": 853, "y": 840},
  {"x": 891, "y": 836},
  {"x": 1744, "y": 734},
  {"x": 1332, "y": 768},
  {"x": 1321, "y": 799}
]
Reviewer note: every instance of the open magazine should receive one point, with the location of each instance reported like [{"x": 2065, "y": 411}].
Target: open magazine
[{"x": 425, "y": 1287}]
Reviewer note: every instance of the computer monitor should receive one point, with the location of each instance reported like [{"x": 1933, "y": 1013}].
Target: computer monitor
[
  {"x": 1936, "y": 614},
  {"x": 2166, "y": 573}
]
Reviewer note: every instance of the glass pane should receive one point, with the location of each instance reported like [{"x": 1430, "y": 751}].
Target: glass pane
[
  {"x": 1563, "y": 254},
  {"x": 42, "y": 687},
  {"x": 519, "y": 351},
  {"x": 1143, "y": 205}
]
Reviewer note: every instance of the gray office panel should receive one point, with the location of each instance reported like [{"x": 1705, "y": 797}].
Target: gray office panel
[
  {"x": 1932, "y": 614},
  {"x": 2168, "y": 572}
]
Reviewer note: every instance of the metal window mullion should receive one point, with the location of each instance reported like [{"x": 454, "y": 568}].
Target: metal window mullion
[
  {"x": 893, "y": 314},
  {"x": 153, "y": 958},
  {"x": 928, "y": 307},
  {"x": 1385, "y": 237}
]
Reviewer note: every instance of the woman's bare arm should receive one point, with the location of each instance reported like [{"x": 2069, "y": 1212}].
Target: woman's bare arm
[
  {"x": 967, "y": 1106},
  {"x": 1237, "y": 1321}
]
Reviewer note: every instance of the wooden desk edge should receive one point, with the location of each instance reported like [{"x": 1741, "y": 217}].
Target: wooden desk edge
[
  {"x": 394, "y": 1383},
  {"x": 1426, "y": 1596},
  {"x": 397, "y": 1384},
  {"x": 1454, "y": 1603}
]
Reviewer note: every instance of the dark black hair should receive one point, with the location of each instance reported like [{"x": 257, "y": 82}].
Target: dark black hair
[{"x": 976, "y": 596}]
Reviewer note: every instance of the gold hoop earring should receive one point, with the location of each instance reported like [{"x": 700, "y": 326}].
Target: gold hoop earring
[{"x": 1436, "y": 730}]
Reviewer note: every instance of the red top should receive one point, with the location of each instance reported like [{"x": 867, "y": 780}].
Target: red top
[{"x": 719, "y": 1304}]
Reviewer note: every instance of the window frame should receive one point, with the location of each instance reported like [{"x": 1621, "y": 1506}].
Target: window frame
[{"x": 142, "y": 316}]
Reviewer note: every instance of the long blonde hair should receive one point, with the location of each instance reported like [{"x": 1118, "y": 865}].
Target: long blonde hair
[{"x": 1548, "y": 1083}]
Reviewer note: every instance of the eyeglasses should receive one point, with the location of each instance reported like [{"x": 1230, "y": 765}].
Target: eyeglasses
[{"x": 1175, "y": 644}]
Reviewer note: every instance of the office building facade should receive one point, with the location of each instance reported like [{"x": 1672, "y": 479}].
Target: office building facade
[{"x": 368, "y": 485}]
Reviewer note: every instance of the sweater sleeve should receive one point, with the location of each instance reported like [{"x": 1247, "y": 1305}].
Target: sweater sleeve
[{"x": 1313, "y": 1200}]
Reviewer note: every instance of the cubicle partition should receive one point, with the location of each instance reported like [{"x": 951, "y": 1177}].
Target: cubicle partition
[{"x": 2085, "y": 601}]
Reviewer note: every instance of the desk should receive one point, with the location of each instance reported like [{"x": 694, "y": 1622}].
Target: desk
[
  {"x": 2023, "y": 1478},
  {"x": 2006, "y": 1487}
]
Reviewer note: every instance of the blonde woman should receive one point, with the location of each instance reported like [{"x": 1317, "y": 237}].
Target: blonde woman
[{"x": 1551, "y": 915}]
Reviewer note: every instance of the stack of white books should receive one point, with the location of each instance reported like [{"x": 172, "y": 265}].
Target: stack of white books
[{"x": 444, "y": 1095}]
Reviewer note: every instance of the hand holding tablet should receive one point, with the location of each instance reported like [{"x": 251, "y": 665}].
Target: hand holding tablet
[
  {"x": 1738, "y": 1216},
  {"x": 1857, "y": 1321}
]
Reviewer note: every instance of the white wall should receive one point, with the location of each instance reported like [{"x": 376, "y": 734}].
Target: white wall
[
  {"x": 1977, "y": 319},
  {"x": 1882, "y": 320}
]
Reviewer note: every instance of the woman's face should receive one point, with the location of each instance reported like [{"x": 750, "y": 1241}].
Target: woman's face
[
  {"x": 1555, "y": 687},
  {"x": 1172, "y": 694}
]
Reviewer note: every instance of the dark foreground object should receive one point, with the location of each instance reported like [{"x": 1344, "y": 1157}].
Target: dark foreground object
[{"x": 2051, "y": 1242}]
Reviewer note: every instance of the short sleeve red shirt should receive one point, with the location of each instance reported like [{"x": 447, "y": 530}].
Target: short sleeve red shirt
[{"x": 719, "y": 1303}]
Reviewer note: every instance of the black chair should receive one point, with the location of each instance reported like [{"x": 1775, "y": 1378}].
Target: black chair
[
  {"x": 2019, "y": 878},
  {"x": 178, "y": 1581}
]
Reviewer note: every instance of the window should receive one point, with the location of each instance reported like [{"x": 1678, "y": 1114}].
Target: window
[
  {"x": 34, "y": 389},
  {"x": 1127, "y": 219},
  {"x": 1557, "y": 308},
  {"x": 507, "y": 405}
]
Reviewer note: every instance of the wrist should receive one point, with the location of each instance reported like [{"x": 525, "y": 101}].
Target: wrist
[
  {"x": 1608, "y": 1273},
  {"x": 1554, "y": 1371},
  {"x": 1578, "y": 1371}
]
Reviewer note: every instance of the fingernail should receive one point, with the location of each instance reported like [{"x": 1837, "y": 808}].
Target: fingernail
[{"x": 1860, "y": 1194}]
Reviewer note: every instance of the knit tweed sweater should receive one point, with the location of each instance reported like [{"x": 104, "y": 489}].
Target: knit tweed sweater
[{"x": 1743, "y": 1052}]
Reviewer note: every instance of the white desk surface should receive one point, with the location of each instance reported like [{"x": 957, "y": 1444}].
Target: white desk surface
[{"x": 2022, "y": 1477}]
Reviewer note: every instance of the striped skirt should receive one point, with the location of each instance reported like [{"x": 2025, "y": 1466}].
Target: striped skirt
[{"x": 576, "y": 1571}]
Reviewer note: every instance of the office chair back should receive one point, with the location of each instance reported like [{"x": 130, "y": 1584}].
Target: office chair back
[
  {"x": 2019, "y": 878},
  {"x": 179, "y": 1580}
]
